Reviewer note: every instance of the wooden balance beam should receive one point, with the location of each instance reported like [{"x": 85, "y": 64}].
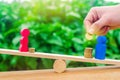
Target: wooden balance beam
[
  {"x": 59, "y": 64},
  {"x": 58, "y": 56},
  {"x": 94, "y": 73}
]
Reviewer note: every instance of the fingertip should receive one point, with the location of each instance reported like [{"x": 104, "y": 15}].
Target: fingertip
[
  {"x": 87, "y": 24},
  {"x": 91, "y": 31}
]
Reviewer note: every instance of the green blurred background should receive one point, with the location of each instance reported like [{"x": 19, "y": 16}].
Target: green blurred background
[{"x": 56, "y": 26}]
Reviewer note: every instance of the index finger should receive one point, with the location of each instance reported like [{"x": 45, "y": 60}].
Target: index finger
[
  {"x": 90, "y": 19},
  {"x": 87, "y": 24}
]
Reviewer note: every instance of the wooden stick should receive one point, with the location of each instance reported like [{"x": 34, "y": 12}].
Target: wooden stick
[{"x": 58, "y": 56}]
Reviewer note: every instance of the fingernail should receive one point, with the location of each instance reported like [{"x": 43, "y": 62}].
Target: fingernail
[{"x": 91, "y": 31}]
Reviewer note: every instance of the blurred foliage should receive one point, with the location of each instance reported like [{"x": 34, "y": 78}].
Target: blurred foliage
[{"x": 56, "y": 26}]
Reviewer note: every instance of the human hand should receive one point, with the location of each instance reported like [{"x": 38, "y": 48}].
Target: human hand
[{"x": 100, "y": 20}]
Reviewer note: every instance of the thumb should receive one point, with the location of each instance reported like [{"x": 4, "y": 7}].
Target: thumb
[{"x": 96, "y": 26}]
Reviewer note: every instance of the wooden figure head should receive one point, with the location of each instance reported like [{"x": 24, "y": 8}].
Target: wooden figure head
[{"x": 25, "y": 32}]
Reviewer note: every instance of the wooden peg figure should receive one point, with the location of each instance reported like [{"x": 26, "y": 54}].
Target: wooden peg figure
[
  {"x": 24, "y": 40},
  {"x": 100, "y": 49}
]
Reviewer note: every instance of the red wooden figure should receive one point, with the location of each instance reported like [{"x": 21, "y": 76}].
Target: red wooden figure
[{"x": 24, "y": 40}]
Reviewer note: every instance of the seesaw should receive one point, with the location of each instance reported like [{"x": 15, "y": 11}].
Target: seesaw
[{"x": 59, "y": 65}]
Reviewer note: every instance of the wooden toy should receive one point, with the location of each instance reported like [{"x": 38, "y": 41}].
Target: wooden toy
[
  {"x": 58, "y": 56},
  {"x": 59, "y": 66},
  {"x": 31, "y": 50},
  {"x": 70, "y": 74},
  {"x": 88, "y": 53},
  {"x": 24, "y": 40},
  {"x": 100, "y": 49}
]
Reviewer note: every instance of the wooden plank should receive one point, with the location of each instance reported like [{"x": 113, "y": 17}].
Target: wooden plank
[
  {"x": 99, "y": 73},
  {"x": 58, "y": 56}
]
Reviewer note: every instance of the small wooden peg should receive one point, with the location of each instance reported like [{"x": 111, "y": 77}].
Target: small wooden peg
[
  {"x": 59, "y": 66},
  {"x": 31, "y": 50},
  {"x": 88, "y": 53}
]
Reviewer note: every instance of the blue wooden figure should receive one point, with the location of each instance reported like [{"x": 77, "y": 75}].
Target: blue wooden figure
[{"x": 100, "y": 49}]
